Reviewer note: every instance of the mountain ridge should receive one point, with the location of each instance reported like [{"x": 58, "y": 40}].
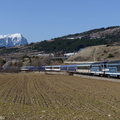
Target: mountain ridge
[
  {"x": 101, "y": 36},
  {"x": 11, "y": 40},
  {"x": 85, "y": 42},
  {"x": 94, "y": 33}
]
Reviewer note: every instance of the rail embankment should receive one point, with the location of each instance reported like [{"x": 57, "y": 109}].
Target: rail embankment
[{"x": 97, "y": 77}]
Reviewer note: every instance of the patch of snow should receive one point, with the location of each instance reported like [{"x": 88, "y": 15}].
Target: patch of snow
[{"x": 11, "y": 40}]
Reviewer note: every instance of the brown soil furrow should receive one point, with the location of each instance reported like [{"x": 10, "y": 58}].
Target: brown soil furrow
[
  {"x": 41, "y": 93},
  {"x": 26, "y": 96},
  {"x": 7, "y": 91}
]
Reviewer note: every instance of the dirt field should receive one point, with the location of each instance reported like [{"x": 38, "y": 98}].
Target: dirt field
[{"x": 35, "y": 96}]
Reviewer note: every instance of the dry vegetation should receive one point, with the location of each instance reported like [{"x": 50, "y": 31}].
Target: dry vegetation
[
  {"x": 97, "y": 53},
  {"x": 35, "y": 96}
]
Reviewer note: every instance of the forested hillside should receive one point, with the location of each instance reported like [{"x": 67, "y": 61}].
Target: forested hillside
[
  {"x": 77, "y": 41},
  {"x": 67, "y": 45}
]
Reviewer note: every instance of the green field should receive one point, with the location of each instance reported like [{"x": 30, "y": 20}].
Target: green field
[{"x": 35, "y": 96}]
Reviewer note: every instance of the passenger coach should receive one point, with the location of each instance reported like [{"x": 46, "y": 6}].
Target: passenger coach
[
  {"x": 98, "y": 68},
  {"x": 113, "y": 69},
  {"x": 83, "y": 68},
  {"x": 52, "y": 68}
]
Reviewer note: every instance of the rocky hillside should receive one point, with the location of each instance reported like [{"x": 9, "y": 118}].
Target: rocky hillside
[
  {"x": 97, "y": 53},
  {"x": 96, "y": 33}
]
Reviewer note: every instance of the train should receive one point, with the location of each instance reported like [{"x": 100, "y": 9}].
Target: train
[{"x": 103, "y": 68}]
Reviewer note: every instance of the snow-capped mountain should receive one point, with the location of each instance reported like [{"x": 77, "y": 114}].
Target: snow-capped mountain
[{"x": 12, "y": 40}]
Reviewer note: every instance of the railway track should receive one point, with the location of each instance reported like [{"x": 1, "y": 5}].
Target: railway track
[{"x": 98, "y": 77}]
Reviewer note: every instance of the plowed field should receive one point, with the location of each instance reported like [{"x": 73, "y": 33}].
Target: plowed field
[{"x": 35, "y": 96}]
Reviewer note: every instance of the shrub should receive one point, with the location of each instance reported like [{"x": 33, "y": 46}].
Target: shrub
[{"x": 110, "y": 55}]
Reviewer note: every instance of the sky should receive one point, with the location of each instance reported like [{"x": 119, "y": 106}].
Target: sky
[{"x": 39, "y": 20}]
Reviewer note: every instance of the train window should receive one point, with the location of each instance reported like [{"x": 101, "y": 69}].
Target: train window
[
  {"x": 83, "y": 67},
  {"x": 48, "y": 67},
  {"x": 112, "y": 65},
  {"x": 100, "y": 68},
  {"x": 96, "y": 65},
  {"x": 56, "y": 67},
  {"x": 118, "y": 68},
  {"x": 105, "y": 66}
]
